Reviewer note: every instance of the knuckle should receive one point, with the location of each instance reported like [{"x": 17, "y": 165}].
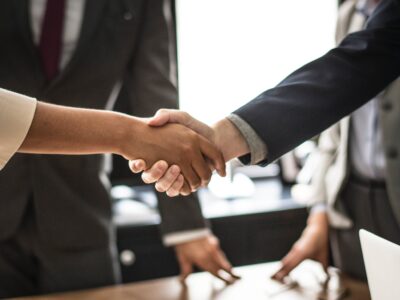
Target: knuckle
[
  {"x": 160, "y": 187},
  {"x": 215, "y": 241},
  {"x": 161, "y": 166},
  {"x": 214, "y": 248},
  {"x": 187, "y": 149},
  {"x": 155, "y": 175}
]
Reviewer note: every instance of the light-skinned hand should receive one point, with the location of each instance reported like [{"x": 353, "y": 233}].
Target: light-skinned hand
[
  {"x": 177, "y": 145},
  {"x": 223, "y": 134},
  {"x": 313, "y": 244},
  {"x": 206, "y": 254}
]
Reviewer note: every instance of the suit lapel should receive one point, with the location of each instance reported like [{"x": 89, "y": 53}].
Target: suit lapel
[{"x": 92, "y": 15}]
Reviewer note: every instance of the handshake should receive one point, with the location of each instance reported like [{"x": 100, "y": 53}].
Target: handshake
[{"x": 179, "y": 153}]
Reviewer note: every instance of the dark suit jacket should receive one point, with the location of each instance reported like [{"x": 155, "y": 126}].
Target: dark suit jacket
[
  {"x": 70, "y": 194},
  {"x": 329, "y": 88}
]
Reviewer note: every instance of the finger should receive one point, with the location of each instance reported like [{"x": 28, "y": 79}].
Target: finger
[
  {"x": 211, "y": 266},
  {"x": 164, "y": 116},
  {"x": 214, "y": 155},
  {"x": 220, "y": 258},
  {"x": 161, "y": 118},
  {"x": 291, "y": 261},
  {"x": 167, "y": 180},
  {"x": 202, "y": 170},
  {"x": 155, "y": 172},
  {"x": 186, "y": 190},
  {"x": 176, "y": 187},
  {"x": 224, "y": 264},
  {"x": 210, "y": 164},
  {"x": 191, "y": 177},
  {"x": 137, "y": 165},
  {"x": 185, "y": 267},
  {"x": 215, "y": 270}
]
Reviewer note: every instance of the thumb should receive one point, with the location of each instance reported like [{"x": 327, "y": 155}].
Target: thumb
[{"x": 162, "y": 117}]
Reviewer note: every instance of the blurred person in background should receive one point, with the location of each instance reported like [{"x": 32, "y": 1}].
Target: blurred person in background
[
  {"x": 354, "y": 182},
  {"x": 55, "y": 212},
  {"x": 362, "y": 183}
]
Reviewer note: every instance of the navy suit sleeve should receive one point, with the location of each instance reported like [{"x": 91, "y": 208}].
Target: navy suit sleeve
[{"x": 329, "y": 88}]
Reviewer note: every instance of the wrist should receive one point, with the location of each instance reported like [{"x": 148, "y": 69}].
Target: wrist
[
  {"x": 128, "y": 133},
  {"x": 229, "y": 139},
  {"x": 318, "y": 221}
]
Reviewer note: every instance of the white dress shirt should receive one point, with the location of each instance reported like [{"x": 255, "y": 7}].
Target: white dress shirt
[
  {"x": 367, "y": 156},
  {"x": 17, "y": 111},
  {"x": 74, "y": 10},
  {"x": 16, "y": 115}
]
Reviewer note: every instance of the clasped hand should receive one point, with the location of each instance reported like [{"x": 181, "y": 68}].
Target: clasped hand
[
  {"x": 187, "y": 156},
  {"x": 180, "y": 152},
  {"x": 201, "y": 149}
]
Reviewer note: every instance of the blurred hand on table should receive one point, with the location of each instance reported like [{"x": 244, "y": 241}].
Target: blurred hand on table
[
  {"x": 313, "y": 244},
  {"x": 206, "y": 254}
]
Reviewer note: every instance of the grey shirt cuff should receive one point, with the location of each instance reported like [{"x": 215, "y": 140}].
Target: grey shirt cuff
[{"x": 258, "y": 149}]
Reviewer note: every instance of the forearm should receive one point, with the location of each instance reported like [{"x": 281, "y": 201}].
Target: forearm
[
  {"x": 66, "y": 130},
  {"x": 329, "y": 88},
  {"x": 317, "y": 221}
]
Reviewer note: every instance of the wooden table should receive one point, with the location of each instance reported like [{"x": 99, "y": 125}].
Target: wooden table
[{"x": 255, "y": 284}]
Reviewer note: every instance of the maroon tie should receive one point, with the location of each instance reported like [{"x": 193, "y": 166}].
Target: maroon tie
[{"x": 51, "y": 37}]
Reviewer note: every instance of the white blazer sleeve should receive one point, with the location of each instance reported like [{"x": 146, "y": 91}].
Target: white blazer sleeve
[{"x": 16, "y": 115}]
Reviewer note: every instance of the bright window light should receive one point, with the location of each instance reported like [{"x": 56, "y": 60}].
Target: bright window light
[{"x": 229, "y": 51}]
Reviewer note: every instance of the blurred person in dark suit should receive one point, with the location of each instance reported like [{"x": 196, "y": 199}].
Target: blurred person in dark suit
[
  {"x": 56, "y": 232},
  {"x": 354, "y": 184}
]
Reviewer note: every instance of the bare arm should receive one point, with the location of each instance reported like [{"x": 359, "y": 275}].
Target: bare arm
[
  {"x": 66, "y": 130},
  {"x": 224, "y": 134}
]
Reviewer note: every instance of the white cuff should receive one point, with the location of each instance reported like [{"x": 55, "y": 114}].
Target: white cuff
[
  {"x": 180, "y": 237},
  {"x": 317, "y": 208},
  {"x": 16, "y": 115}
]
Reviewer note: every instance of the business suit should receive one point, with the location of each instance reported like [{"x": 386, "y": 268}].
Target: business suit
[
  {"x": 63, "y": 201},
  {"x": 333, "y": 167},
  {"x": 329, "y": 88},
  {"x": 352, "y": 200}
]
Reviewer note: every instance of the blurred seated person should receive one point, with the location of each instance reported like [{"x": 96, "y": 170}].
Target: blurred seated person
[{"x": 355, "y": 180}]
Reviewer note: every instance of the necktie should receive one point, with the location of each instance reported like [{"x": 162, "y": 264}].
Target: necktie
[{"x": 51, "y": 37}]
